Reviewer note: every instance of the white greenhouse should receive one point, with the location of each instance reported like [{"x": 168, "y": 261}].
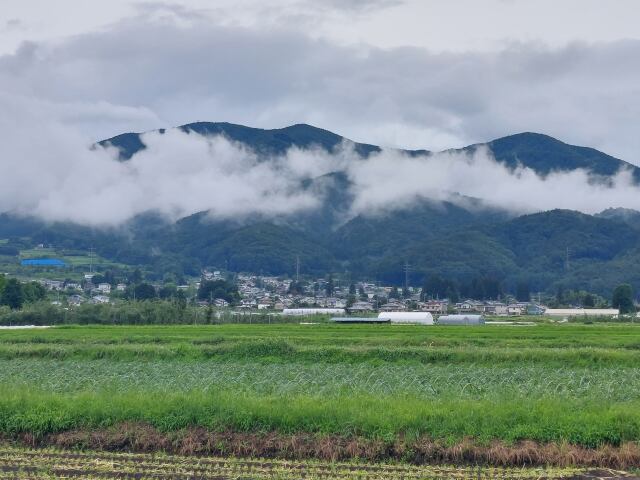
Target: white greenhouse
[
  {"x": 461, "y": 320},
  {"x": 419, "y": 318}
]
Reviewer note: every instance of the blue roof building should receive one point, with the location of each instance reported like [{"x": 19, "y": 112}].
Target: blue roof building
[{"x": 42, "y": 262}]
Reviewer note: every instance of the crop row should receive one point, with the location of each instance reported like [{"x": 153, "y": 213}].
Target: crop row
[
  {"x": 281, "y": 350},
  {"x": 428, "y": 381},
  {"x": 18, "y": 463}
]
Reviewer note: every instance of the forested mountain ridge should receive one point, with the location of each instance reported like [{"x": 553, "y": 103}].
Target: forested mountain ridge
[
  {"x": 546, "y": 250},
  {"x": 539, "y": 152}
]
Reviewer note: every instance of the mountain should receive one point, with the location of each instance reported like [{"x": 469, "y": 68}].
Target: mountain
[
  {"x": 265, "y": 142},
  {"x": 458, "y": 241},
  {"x": 541, "y": 153},
  {"x": 545, "y": 154},
  {"x": 626, "y": 215}
]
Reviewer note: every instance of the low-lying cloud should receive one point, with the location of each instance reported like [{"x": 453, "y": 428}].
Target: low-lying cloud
[
  {"x": 52, "y": 172},
  {"x": 392, "y": 180}
]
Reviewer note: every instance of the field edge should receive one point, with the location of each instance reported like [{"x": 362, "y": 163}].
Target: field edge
[{"x": 143, "y": 438}]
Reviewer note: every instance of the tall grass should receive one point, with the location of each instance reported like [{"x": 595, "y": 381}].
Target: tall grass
[
  {"x": 570, "y": 383},
  {"x": 422, "y": 381},
  {"x": 588, "y": 423}
]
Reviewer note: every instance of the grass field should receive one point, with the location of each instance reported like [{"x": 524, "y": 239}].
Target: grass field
[
  {"x": 77, "y": 264},
  {"x": 385, "y": 385}
]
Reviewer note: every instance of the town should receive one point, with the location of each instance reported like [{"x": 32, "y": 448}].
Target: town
[{"x": 245, "y": 293}]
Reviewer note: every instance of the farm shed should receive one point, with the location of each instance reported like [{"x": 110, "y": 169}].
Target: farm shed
[
  {"x": 420, "y": 318},
  {"x": 461, "y": 320},
  {"x": 313, "y": 311}
]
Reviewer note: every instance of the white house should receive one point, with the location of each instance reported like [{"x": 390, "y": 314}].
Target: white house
[{"x": 100, "y": 299}]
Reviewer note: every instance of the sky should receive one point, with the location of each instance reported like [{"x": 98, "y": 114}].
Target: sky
[
  {"x": 396, "y": 73},
  {"x": 402, "y": 73}
]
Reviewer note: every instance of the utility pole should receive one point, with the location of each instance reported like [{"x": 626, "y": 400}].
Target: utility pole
[
  {"x": 91, "y": 249},
  {"x": 406, "y": 269},
  {"x": 297, "y": 268}
]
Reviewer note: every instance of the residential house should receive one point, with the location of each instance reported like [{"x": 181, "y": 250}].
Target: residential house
[
  {"x": 221, "y": 302},
  {"x": 434, "y": 306},
  {"x": 99, "y": 299},
  {"x": 533, "y": 309},
  {"x": 515, "y": 309},
  {"x": 360, "y": 307},
  {"x": 393, "y": 307}
]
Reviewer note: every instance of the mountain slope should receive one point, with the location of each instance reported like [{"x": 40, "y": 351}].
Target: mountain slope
[
  {"x": 545, "y": 154},
  {"x": 266, "y": 142},
  {"x": 459, "y": 243},
  {"x": 542, "y": 153}
]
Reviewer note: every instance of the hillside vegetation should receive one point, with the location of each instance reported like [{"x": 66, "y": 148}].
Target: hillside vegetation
[{"x": 548, "y": 250}]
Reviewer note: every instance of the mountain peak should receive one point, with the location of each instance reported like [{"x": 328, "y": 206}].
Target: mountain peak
[
  {"x": 546, "y": 154},
  {"x": 540, "y": 152}
]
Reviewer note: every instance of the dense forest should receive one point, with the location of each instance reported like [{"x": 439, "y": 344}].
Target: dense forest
[{"x": 544, "y": 251}]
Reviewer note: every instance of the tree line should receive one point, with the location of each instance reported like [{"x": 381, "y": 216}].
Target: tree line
[{"x": 14, "y": 294}]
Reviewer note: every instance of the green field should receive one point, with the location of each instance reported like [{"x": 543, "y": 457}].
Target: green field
[
  {"x": 77, "y": 264},
  {"x": 575, "y": 385}
]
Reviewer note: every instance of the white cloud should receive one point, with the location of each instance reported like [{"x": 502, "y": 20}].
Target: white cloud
[
  {"x": 51, "y": 172},
  {"x": 162, "y": 73},
  {"x": 58, "y": 97},
  {"x": 391, "y": 180}
]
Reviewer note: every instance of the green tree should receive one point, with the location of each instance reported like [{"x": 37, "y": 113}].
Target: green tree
[
  {"x": 435, "y": 286},
  {"x": 330, "y": 287},
  {"x": 452, "y": 295},
  {"x": 523, "y": 293},
  {"x": 12, "y": 294},
  {"x": 296, "y": 288},
  {"x": 352, "y": 289},
  {"x": 181, "y": 299},
  {"x": 136, "y": 276},
  {"x": 623, "y": 298},
  {"x": 33, "y": 292},
  {"x": 3, "y": 281},
  {"x": 588, "y": 301},
  {"x": 351, "y": 299},
  {"x": 212, "y": 289},
  {"x": 168, "y": 291},
  {"x": 560, "y": 295},
  {"x": 144, "y": 291}
]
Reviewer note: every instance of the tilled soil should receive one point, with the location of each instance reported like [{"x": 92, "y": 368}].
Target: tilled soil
[
  {"x": 23, "y": 463},
  {"x": 142, "y": 438}
]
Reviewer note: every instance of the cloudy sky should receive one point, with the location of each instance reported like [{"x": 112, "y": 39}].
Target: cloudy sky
[
  {"x": 411, "y": 73},
  {"x": 397, "y": 73}
]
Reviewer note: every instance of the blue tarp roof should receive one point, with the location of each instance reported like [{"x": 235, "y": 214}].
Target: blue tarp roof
[{"x": 43, "y": 262}]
